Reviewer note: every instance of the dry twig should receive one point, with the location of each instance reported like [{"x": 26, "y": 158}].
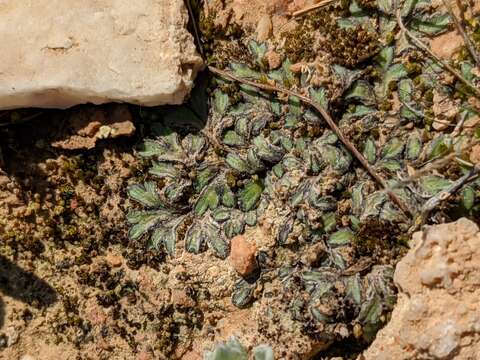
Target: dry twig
[
  {"x": 445, "y": 65},
  {"x": 461, "y": 30},
  {"x": 196, "y": 32},
  {"x": 312, "y": 7},
  {"x": 331, "y": 123},
  {"x": 435, "y": 165},
  {"x": 433, "y": 202}
]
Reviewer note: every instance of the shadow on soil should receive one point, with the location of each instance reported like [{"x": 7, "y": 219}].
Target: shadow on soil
[{"x": 24, "y": 286}]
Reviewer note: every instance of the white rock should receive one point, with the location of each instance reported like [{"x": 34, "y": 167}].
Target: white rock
[{"x": 59, "y": 53}]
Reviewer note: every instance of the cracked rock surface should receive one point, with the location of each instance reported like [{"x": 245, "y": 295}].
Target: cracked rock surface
[
  {"x": 59, "y": 53},
  {"x": 438, "y": 314}
]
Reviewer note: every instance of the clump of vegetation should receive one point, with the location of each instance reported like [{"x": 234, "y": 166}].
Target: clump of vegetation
[{"x": 256, "y": 162}]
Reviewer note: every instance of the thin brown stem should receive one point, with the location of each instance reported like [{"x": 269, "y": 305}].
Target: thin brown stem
[
  {"x": 460, "y": 8},
  {"x": 307, "y": 9},
  {"x": 436, "y": 200},
  {"x": 331, "y": 123},
  {"x": 436, "y": 164},
  {"x": 445, "y": 65},
  {"x": 196, "y": 32},
  {"x": 461, "y": 31}
]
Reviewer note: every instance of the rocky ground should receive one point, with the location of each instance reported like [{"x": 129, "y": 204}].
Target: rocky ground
[{"x": 75, "y": 283}]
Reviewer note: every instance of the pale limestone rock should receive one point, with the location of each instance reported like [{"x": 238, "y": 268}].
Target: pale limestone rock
[
  {"x": 59, "y": 53},
  {"x": 438, "y": 313}
]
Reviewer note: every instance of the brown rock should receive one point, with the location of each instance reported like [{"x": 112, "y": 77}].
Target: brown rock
[
  {"x": 87, "y": 125},
  {"x": 242, "y": 255},
  {"x": 114, "y": 260},
  {"x": 473, "y": 122},
  {"x": 437, "y": 315},
  {"x": 446, "y": 45},
  {"x": 296, "y": 5},
  {"x": 297, "y": 67},
  {"x": 274, "y": 59},
  {"x": 121, "y": 121},
  {"x": 264, "y": 28},
  {"x": 91, "y": 128},
  {"x": 475, "y": 154}
]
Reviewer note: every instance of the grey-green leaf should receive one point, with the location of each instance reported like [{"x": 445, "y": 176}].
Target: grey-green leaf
[
  {"x": 242, "y": 293},
  {"x": 385, "y": 58},
  {"x": 163, "y": 169},
  {"x": 263, "y": 352},
  {"x": 319, "y": 96},
  {"x": 386, "y": 6},
  {"x": 236, "y": 163},
  {"x": 231, "y": 350},
  {"x": 431, "y": 25},
  {"x": 220, "y": 101},
  {"x": 414, "y": 146},
  {"x": 208, "y": 200},
  {"x": 394, "y": 73},
  {"x": 166, "y": 236},
  {"x": 433, "y": 184},
  {"x": 362, "y": 91},
  {"x": 144, "y": 221},
  {"x": 341, "y": 237},
  {"x": 231, "y": 138},
  {"x": 145, "y": 194},
  {"x": 346, "y": 76},
  {"x": 468, "y": 197},
  {"x": 370, "y": 151},
  {"x": 243, "y": 71},
  {"x": 258, "y": 50},
  {"x": 393, "y": 148},
  {"x": 250, "y": 194},
  {"x": 439, "y": 146}
]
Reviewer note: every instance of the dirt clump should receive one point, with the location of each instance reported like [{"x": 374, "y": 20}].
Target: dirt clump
[{"x": 85, "y": 127}]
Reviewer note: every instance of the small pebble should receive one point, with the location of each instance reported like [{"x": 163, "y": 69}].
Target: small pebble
[
  {"x": 475, "y": 154},
  {"x": 297, "y": 67},
  {"x": 114, "y": 260},
  {"x": 274, "y": 60},
  {"x": 264, "y": 28},
  {"x": 242, "y": 255}
]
